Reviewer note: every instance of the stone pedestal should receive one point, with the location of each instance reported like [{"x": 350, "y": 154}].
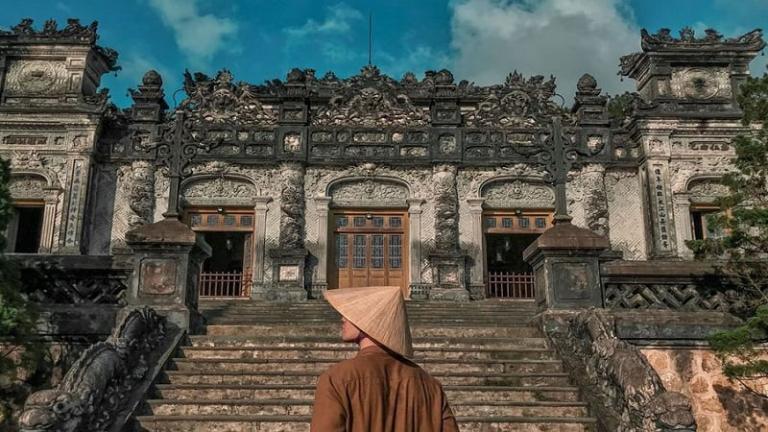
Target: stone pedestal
[
  {"x": 565, "y": 261},
  {"x": 287, "y": 276},
  {"x": 448, "y": 276},
  {"x": 167, "y": 264}
]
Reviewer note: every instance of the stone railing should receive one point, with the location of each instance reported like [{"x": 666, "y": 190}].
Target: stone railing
[
  {"x": 623, "y": 390},
  {"x": 73, "y": 280},
  {"x": 99, "y": 390},
  {"x": 672, "y": 285}
]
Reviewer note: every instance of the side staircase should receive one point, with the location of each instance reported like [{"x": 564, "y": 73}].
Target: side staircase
[{"x": 255, "y": 369}]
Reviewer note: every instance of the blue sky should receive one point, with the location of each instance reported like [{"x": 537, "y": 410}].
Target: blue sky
[{"x": 479, "y": 40}]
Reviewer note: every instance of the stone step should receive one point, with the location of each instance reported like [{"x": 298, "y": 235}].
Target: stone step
[
  {"x": 312, "y": 342},
  {"x": 455, "y": 394},
  {"x": 341, "y": 353},
  {"x": 284, "y": 329},
  {"x": 434, "y": 366},
  {"x": 301, "y": 424},
  {"x": 292, "y": 407},
  {"x": 449, "y": 378}
]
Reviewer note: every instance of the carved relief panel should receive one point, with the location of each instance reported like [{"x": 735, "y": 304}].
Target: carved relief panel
[
  {"x": 518, "y": 194},
  {"x": 36, "y": 77},
  {"x": 701, "y": 83}
]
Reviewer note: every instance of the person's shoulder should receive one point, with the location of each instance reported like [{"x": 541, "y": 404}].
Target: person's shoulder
[{"x": 343, "y": 369}]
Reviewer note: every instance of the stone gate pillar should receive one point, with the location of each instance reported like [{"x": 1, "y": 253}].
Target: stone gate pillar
[
  {"x": 566, "y": 266},
  {"x": 448, "y": 262},
  {"x": 167, "y": 262},
  {"x": 289, "y": 260}
]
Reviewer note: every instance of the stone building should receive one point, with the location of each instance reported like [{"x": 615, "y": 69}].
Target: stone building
[
  {"x": 318, "y": 183},
  {"x": 455, "y": 192}
]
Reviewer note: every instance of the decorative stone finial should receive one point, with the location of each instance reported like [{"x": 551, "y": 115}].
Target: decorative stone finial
[
  {"x": 587, "y": 83},
  {"x": 152, "y": 79}
]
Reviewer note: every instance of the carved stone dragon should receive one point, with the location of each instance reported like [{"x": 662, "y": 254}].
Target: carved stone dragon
[
  {"x": 623, "y": 390},
  {"x": 97, "y": 385}
]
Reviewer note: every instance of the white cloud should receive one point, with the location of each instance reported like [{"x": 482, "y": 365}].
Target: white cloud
[
  {"x": 565, "y": 38},
  {"x": 338, "y": 20},
  {"x": 198, "y": 35}
]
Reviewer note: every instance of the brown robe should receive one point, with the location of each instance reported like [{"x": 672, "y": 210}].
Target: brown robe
[{"x": 378, "y": 392}]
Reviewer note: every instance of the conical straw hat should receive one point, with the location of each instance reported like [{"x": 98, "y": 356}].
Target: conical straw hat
[{"x": 379, "y": 312}]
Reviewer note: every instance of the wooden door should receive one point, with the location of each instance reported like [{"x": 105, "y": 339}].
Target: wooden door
[{"x": 369, "y": 249}]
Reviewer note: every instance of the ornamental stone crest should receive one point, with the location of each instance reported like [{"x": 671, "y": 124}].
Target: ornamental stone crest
[
  {"x": 27, "y": 186},
  {"x": 220, "y": 187},
  {"x": 519, "y": 102},
  {"x": 707, "y": 191},
  {"x": 370, "y": 99},
  {"x": 220, "y": 100},
  {"x": 517, "y": 193},
  {"x": 369, "y": 191}
]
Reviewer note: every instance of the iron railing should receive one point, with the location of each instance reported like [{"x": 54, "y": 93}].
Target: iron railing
[
  {"x": 223, "y": 284},
  {"x": 510, "y": 285}
]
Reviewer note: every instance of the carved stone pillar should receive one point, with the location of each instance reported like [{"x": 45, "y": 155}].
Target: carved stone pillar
[
  {"x": 660, "y": 203},
  {"x": 72, "y": 226},
  {"x": 682, "y": 212},
  {"x": 259, "y": 236},
  {"x": 565, "y": 260},
  {"x": 51, "y": 200},
  {"x": 477, "y": 250},
  {"x": 168, "y": 259},
  {"x": 417, "y": 289},
  {"x": 447, "y": 261},
  {"x": 320, "y": 284},
  {"x": 289, "y": 260}
]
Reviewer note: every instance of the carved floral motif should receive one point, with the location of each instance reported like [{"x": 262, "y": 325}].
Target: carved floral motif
[
  {"x": 220, "y": 187},
  {"x": 371, "y": 101},
  {"x": 517, "y": 193},
  {"x": 219, "y": 100},
  {"x": 369, "y": 190},
  {"x": 516, "y": 103},
  {"x": 27, "y": 186}
]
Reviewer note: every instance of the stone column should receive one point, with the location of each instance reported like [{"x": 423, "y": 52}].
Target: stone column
[
  {"x": 662, "y": 223},
  {"x": 168, "y": 258},
  {"x": 416, "y": 288},
  {"x": 447, "y": 261},
  {"x": 565, "y": 261},
  {"x": 320, "y": 284},
  {"x": 51, "y": 200},
  {"x": 682, "y": 213},
  {"x": 477, "y": 271},
  {"x": 289, "y": 260},
  {"x": 72, "y": 226},
  {"x": 259, "y": 236}
]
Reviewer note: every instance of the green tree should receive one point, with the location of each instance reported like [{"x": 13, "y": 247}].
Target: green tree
[
  {"x": 19, "y": 353},
  {"x": 744, "y": 243}
]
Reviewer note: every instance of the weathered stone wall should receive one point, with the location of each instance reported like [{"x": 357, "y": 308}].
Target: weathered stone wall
[
  {"x": 626, "y": 212},
  {"x": 587, "y": 202},
  {"x": 718, "y": 405}
]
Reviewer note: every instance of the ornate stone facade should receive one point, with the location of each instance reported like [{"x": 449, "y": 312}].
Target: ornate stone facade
[{"x": 443, "y": 152}]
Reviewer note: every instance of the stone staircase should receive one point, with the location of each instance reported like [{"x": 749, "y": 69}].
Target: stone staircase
[{"x": 256, "y": 366}]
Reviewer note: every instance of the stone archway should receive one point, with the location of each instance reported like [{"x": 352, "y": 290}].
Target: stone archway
[
  {"x": 382, "y": 193},
  {"x": 226, "y": 190},
  {"x": 502, "y": 193}
]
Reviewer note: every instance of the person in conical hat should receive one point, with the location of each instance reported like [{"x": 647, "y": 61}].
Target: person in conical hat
[{"x": 380, "y": 389}]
